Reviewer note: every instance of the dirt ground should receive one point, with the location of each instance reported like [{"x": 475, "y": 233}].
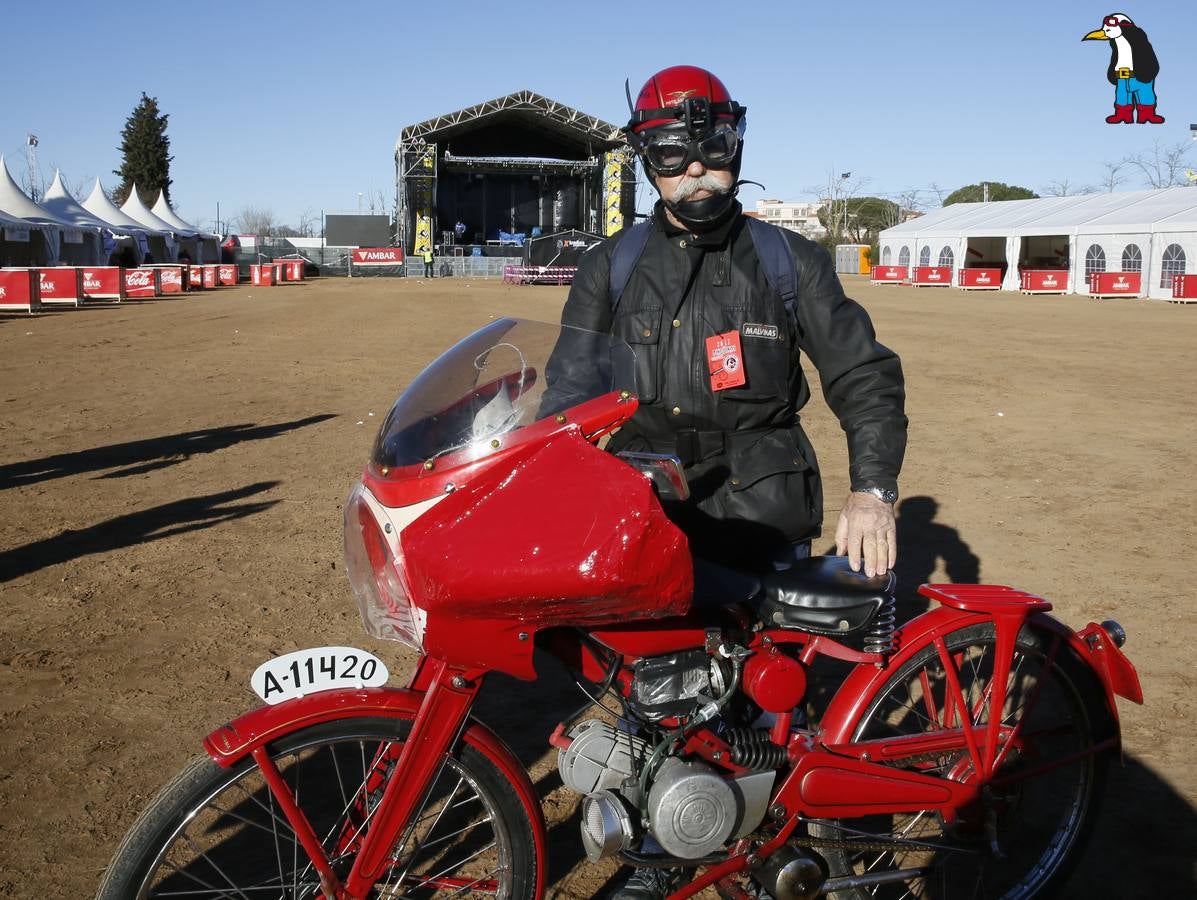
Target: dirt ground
[{"x": 171, "y": 480}]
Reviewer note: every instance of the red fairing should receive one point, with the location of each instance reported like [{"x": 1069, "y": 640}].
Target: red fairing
[{"x": 570, "y": 536}]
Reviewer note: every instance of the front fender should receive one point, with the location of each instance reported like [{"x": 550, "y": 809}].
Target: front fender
[{"x": 236, "y": 740}]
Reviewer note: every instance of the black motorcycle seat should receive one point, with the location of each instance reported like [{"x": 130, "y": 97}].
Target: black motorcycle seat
[{"x": 821, "y": 594}]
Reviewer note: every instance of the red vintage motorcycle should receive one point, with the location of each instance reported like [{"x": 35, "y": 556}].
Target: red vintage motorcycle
[{"x": 962, "y": 755}]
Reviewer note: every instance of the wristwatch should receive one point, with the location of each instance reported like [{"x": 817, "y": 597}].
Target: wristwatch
[{"x": 885, "y": 495}]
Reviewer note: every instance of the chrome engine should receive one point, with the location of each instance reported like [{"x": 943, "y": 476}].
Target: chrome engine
[{"x": 686, "y": 805}]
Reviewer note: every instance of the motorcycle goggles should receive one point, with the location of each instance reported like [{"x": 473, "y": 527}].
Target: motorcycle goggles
[{"x": 670, "y": 153}]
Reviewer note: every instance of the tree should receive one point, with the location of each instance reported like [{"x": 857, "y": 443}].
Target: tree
[
  {"x": 1113, "y": 176},
  {"x": 861, "y": 218},
  {"x": 1163, "y": 166},
  {"x": 256, "y": 220},
  {"x": 1063, "y": 187},
  {"x": 146, "y": 151},
  {"x": 975, "y": 193}
]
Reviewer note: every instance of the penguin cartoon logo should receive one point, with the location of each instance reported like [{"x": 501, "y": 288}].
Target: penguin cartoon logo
[{"x": 1133, "y": 68}]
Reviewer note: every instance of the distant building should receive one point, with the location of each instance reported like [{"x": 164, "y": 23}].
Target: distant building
[{"x": 800, "y": 217}]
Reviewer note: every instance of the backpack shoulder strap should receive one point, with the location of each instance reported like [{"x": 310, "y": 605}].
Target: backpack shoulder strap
[
  {"x": 777, "y": 261},
  {"x": 624, "y": 257}
]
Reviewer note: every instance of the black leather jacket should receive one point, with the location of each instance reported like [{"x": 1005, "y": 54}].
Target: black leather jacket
[{"x": 753, "y": 474}]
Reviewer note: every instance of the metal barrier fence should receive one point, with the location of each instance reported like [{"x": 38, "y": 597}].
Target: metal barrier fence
[{"x": 335, "y": 261}]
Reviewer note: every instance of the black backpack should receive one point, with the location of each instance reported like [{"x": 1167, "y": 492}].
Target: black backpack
[{"x": 777, "y": 260}]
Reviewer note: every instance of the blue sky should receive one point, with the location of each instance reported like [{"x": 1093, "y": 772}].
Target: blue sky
[{"x": 296, "y": 106}]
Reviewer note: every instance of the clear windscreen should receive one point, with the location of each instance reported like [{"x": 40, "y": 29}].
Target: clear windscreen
[{"x": 509, "y": 374}]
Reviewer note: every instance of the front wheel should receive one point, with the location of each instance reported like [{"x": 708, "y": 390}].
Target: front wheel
[
  {"x": 1024, "y": 835},
  {"x": 214, "y": 832}
]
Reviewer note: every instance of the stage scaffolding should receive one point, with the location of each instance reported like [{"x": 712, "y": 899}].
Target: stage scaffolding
[{"x": 553, "y": 162}]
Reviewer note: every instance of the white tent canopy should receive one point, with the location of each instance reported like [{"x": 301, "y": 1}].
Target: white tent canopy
[
  {"x": 188, "y": 243},
  {"x": 160, "y": 244},
  {"x": 209, "y": 243},
  {"x": 58, "y": 200},
  {"x": 1150, "y": 231},
  {"x": 66, "y": 242}
]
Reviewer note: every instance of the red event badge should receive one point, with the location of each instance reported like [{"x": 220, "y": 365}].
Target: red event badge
[{"x": 725, "y": 361}]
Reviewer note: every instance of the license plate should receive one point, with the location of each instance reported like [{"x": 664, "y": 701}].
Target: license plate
[{"x": 318, "y": 669}]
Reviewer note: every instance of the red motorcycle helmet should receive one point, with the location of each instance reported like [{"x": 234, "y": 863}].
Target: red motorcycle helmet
[{"x": 683, "y": 114}]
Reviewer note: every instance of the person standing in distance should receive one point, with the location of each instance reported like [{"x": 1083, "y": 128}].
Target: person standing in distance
[
  {"x": 428, "y": 260},
  {"x": 719, "y": 310}
]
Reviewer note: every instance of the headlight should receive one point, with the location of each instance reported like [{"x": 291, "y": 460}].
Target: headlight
[{"x": 374, "y": 563}]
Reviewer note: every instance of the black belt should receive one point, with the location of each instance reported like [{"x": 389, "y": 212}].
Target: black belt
[{"x": 695, "y": 446}]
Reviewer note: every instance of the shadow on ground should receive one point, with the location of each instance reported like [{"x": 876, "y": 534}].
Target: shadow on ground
[
  {"x": 153, "y": 524},
  {"x": 138, "y": 457}
]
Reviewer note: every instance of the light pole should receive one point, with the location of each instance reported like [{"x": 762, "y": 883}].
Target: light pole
[
  {"x": 844, "y": 176},
  {"x": 359, "y": 203}
]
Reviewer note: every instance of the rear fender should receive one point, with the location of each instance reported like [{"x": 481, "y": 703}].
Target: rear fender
[
  {"x": 1115, "y": 672},
  {"x": 233, "y": 742},
  {"x": 863, "y": 682}
]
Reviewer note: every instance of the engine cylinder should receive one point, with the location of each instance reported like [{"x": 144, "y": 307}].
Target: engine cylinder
[
  {"x": 691, "y": 809},
  {"x": 599, "y": 756}
]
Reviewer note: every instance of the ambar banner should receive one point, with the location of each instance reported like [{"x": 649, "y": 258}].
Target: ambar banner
[{"x": 378, "y": 256}]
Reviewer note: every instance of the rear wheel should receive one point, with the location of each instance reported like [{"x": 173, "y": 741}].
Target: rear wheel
[
  {"x": 215, "y": 832},
  {"x": 1023, "y": 837}
]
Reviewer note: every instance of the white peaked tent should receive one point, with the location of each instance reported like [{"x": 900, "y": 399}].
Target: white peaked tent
[
  {"x": 209, "y": 243},
  {"x": 65, "y": 242},
  {"x": 120, "y": 244},
  {"x": 159, "y": 246},
  {"x": 24, "y": 243},
  {"x": 186, "y": 238},
  {"x": 1150, "y": 231}
]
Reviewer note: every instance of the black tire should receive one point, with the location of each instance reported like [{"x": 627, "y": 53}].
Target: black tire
[
  {"x": 1040, "y": 826},
  {"x": 214, "y": 832}
]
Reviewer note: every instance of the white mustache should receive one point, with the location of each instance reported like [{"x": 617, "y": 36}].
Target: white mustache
[{"x": 707, "y": 181}]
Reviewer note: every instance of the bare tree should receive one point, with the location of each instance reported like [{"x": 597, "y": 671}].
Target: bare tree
[
  {"x": 1115, "y": 175},
  {"x": 1162, "y": 166},
  {"x": 256, "y": 220},
  {"x": 307, "y": 223},
  {"x": 1061, "y": 187},
  {"x": 939, "y": 192}
]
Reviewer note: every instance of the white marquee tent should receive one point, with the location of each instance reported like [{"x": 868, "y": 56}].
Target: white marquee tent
[
  {"x": 128, "y": 245},
  {"x": 24, "y": 243},
  {"x": 1152, "y": 231},
  {"x": 161, "y": 244},
  {"x": 209, "y": 243},
  {"x": 65, "y": 242},
  {"x": 186, "y": 238}
]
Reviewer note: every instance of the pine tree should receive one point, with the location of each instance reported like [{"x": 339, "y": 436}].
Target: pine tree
[{"x": 146, "y": 151}]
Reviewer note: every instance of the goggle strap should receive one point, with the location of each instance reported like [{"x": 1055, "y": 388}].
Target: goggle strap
[{"x": 726, "y": 107}]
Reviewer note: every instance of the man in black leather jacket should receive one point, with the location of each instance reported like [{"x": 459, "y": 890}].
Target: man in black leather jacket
[{"x": 756, "y": 494}]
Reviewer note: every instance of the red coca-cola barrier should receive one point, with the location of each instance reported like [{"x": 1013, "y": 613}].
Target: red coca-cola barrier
[
  {"x": 888, "y": 274},
  {"x": 1044, "y": 281},
  {"x": 142, "y": 283},
  {"x": 226, "y": 274},
  {"x": 261, "y": 275},
  {"x": 193, "y": 278},
  {"x": 104, "y": 283},
  {"x": 932, "y": 276},
  {"x": 19, "y": 291},
  {"x": 172, "y": 279},
  {"x": 1184, "y": 287},
  {"x": 1115, "y": 284},
  {"x": 280, "y": 272},
  {"x": 979, "y": 279},
  {"x": 294, "y": 269},
  {"x": 211, "y": 280}
]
